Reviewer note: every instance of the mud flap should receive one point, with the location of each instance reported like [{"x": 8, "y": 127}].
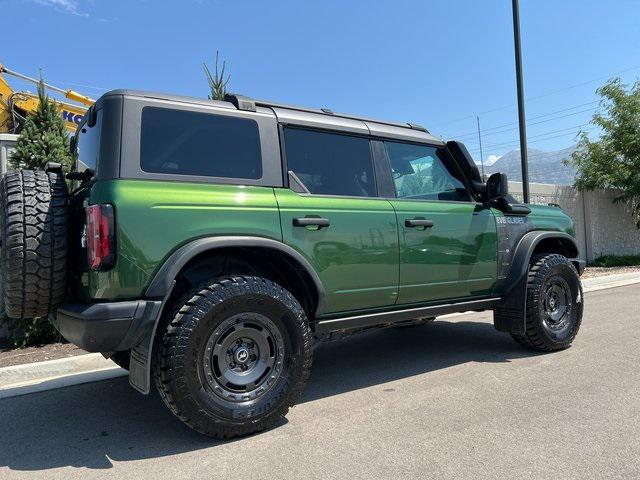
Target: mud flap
[
  {"x": 509, "y": 319},
  {"x": 140, "y": 361}
]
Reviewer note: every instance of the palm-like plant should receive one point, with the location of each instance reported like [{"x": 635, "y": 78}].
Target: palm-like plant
[{"x": 217, "y": 81}]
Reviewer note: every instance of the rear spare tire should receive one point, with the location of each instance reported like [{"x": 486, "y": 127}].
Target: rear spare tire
[{"x": 34, "y": 242}]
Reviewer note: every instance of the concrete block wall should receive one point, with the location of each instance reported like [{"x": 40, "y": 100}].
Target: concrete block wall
[{"x": 602, "y": 227}]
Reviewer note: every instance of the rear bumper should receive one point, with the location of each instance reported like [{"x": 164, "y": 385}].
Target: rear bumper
[{"x": 105, "y": 327}]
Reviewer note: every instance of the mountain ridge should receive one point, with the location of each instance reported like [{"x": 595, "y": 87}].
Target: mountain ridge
[{"x": 544, "y": 166}]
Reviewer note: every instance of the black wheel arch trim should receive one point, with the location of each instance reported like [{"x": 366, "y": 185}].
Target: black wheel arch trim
[
  {"x": 164, "y": 279},
  {"x": 510, "y": 314},
  {"x": 163, "y": 282}
]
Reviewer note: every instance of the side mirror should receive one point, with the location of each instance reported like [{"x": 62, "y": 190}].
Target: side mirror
[{"x": 497, "y": 187}]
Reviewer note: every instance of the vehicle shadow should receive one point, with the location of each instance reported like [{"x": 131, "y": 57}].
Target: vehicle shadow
[{"x": 94, "y": 424}]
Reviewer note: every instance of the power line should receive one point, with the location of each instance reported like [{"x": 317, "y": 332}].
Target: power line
[
  {"x": 535, "y": 123},
  {"x": 492, "y": 129},
  {"x": 81, "y": 85},
  {"x": 515, "y": 143},
  {"x": 59, "y": 82},
  {"x": 553, "y": 92},
  {"x": 530, "y": 124}
]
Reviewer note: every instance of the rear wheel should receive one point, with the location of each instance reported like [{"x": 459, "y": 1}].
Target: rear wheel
[
  {"x": 554, "y": 304},
  {"x": 233, "y": 356}
]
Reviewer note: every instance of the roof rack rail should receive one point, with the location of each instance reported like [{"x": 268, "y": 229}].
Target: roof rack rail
[
  {"x": 242, "y": 102},
  {"x": 415, "y": 126}
]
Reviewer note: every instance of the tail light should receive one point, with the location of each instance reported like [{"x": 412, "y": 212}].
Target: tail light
[{"x": 101, "y": 242}]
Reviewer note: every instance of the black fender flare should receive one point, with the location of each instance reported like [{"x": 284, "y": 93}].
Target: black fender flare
[
  {"x": 510, "y": 313},
  {"x": 164, "y": 280}
]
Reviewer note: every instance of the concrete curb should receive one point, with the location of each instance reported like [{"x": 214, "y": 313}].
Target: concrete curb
[
  {"x": 610, "y": 281},
  {"x": 37, "y": 377},
  {"x": 63, "y": 372}
]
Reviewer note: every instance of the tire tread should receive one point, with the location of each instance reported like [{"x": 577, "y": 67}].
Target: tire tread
[
  {"x": 171, "y": 341},
  {"x": 533, "y": 337},
  {"x": 34, "y": 232}
]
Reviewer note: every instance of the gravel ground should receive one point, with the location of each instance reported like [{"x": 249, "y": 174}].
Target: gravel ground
[
  {"x": 19, "y": 356},
  {"x": 591, "y": 272}
]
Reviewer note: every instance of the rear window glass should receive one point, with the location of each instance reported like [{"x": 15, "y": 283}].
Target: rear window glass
[
  {"x": 193, "y": 143},
  {"x": 88, "y": 145},
  {"x": 330, "y": 163}
]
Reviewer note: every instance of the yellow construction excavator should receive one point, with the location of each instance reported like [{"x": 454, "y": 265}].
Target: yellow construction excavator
[{"x": 15, "y": 106}]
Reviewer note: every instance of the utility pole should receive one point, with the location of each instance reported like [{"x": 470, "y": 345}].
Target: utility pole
[
  {"x": 480, "y": 142},
  {"x": 521, "y": 115}
]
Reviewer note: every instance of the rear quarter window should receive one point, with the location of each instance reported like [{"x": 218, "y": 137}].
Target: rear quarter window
[
  {"x": 88, "y": 145},
  {"x": 180, "y": 142}
]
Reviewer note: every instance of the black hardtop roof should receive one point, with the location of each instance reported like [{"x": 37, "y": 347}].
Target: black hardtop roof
[{"x": 240, "y": 102}]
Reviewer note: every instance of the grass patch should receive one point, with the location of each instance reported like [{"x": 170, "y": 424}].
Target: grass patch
[{"x": 616, "y": 261}]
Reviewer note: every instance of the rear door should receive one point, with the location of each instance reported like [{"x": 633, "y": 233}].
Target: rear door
[
  {"x": 339, "y": 224},
  {"x": 448, "y": 243}
]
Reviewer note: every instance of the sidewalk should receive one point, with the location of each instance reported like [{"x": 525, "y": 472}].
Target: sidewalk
[
  {"x": 609, "y": 281},
  {"x": 36, "y": 377}
]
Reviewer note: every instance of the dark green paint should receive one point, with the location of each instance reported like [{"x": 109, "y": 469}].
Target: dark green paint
[
  {"x": 356, "y": 257},
  {"x": 365, "y": 259},
  {"x": 153, "y": 218},
  {"x": 456, "y": 257}
]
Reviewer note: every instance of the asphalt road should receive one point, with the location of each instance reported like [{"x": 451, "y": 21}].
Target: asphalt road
[{"x": 446, "y": 400}]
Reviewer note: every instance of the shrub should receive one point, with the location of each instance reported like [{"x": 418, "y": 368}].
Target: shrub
[{"x": 616, "y": 261}]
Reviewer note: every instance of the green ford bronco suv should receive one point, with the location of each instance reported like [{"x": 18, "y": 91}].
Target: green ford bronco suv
[{"x": 206, "y": 246}]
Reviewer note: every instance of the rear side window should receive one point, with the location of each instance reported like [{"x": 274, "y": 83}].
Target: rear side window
[
  {"x": 329, "y": 163},
  {"x": 88, "y": 145},
  {"x": 179, "y": 142}
]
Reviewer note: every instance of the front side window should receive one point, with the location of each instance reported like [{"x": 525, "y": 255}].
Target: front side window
[
  {"x": 330, "y": 163},
  {"x": 88, "y": 145},
  {"x": 420, "y": 172},
  {"x": 181, "y": 142}
]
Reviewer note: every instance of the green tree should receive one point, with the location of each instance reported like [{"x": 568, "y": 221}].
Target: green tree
[
  {"x": 43, "y": 138},
  {"x": 217, "y": 81},
  {"x": 613, "y": 160}
]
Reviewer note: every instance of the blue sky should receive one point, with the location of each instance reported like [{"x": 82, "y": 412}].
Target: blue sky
[{"x": 434, "y": 62}]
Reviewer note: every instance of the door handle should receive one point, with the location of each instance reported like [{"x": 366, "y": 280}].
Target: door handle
[
  {"x": 418, "y": 222},
  {"x": 311, "y": 221}
]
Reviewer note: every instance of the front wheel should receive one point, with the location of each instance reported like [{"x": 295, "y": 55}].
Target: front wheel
[
  {"x": 233, "y": 356},
  {"x": 554, "y": 304}
]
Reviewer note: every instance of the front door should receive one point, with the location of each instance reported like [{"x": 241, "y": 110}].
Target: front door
[
  {"x": 347, "y": 234},
  {"x": 448, "y": 243}
]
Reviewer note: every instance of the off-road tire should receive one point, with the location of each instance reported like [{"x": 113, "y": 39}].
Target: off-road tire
[
  {"x": 34, "y": 242},
  {"x": 185, "y": 335},
  {"x": 538, "y": 335}
]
